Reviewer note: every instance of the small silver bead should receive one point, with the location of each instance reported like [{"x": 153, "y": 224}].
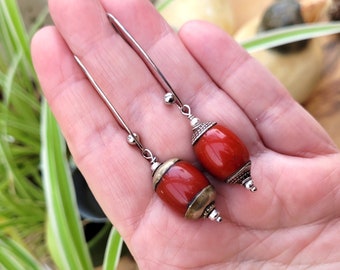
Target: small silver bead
[
  {"x": 169, "y": 98},
  {"x": 194, "y": 122},
  {"x": 131, "y": 139},
  {"x": 215, "y": 216},
  {"x": 250, "y": 185}
]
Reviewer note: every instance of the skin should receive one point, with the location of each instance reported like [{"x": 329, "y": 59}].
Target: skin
[{"x": 291, "y": 221}]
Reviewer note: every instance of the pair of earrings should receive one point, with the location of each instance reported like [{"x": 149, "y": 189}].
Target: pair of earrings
[{"x": 177, "y": 182}]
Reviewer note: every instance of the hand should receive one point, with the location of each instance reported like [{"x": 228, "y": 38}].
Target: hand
[{"x": 292, "y": 220}]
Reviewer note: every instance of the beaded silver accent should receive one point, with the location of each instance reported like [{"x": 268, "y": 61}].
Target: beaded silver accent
[
  {"x": 211, "y": 213},
  {"x": 200, "y": 129}
]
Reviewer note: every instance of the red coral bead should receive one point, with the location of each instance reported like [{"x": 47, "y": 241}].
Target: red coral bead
[
  {"x": 185, "y": 189},
  {"x": 180, "y": 184},
  {"x": 221, "y": 152}
]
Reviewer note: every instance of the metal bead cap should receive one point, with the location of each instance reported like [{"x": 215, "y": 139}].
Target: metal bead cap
[{"x": 203, "y": 205}]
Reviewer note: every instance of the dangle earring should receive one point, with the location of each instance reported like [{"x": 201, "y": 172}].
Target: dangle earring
[
  {"x": 178, "y": 183},
  {"x": 217, "y": 148}
]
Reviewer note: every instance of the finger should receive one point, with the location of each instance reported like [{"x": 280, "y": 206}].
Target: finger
[
  {"x": 283, "y": 125},
  {"x": 120, "y": 73},
  {"x": 93, "y": 135},
  {"x": 112, "y": 63},
  {"x": 86, "y": 30},
  {"x": 188, "y": 79}
]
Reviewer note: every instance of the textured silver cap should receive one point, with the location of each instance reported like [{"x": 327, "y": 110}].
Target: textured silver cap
[
  {"x": 243, "y": 177},
  {"x": 200, "y": 129}
]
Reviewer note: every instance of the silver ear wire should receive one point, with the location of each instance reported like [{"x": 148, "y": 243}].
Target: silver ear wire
[
  {"x": 132, "y": 138},
  {"x": 121, "y": 30},
  {"x": 170, "y": 97}
]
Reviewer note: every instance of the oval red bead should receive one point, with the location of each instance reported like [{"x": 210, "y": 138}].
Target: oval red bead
[
  {"x": 221, "y": 152},
  {"x": 180, "y": 184}
]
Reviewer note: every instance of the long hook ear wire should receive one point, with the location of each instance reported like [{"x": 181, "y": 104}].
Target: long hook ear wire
[
  {"x": 171, "y": 97},
  {"x": 121, "y": 30},
  {"x": 132, "y": 138}
]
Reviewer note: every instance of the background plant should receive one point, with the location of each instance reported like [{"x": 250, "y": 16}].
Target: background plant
[
  {"x": 39, "y": 220},
  {"x": 22, "y": 204}
]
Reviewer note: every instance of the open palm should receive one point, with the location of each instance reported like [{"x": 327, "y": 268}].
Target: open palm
[{"x": 292, "y": 220}]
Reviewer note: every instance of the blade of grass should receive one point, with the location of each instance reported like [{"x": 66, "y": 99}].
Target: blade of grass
[
  {"x": 39, "y": 21},
  {"x": 7, "y": 85},
  {"x": 274, "y": 38},
  {"x": 6, "y": 40},
  {"x": 65, "y": 235},
  {"x": 97, "y": 243},
  {"x": 13, "y": 256},
  {"x": 16, "y": 29},
  {"x": 97, "y": 239},
  {"x": 22, "y": 208},
  {"x": 113, "y": 250}
]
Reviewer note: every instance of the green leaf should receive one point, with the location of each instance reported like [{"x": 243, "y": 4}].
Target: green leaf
[
  {"x": 22, "y": 204},
  {"x": 113, "y": 250},
  {"x": 10, "y": 76},
  {"x": 16, "y": 33},
  {"x": 39, "y": 21},
  {"x": 13, "y": 256},
  {"x": 65, "y": 234},
  {"x": 285, "y": 35}
]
